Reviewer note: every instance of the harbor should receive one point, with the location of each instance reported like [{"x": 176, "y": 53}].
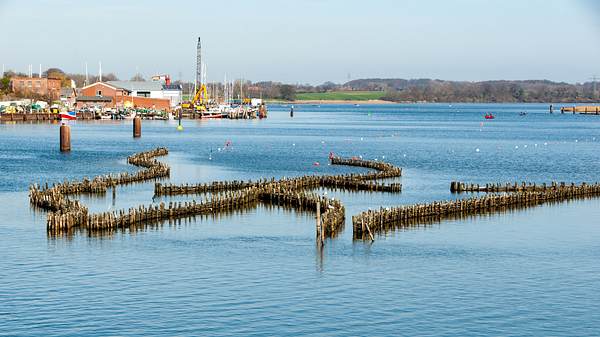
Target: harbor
[
  {"x": 220, "y": 196},
  {"x": 47, "y": 98}
]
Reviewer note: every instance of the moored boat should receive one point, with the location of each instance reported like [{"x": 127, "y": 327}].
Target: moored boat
[{"x": 68, "y": 115}]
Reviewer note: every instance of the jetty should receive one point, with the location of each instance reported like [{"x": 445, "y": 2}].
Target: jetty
[
  {"x": 41, "y": 116},
  {"x": 582, "y": 109}
]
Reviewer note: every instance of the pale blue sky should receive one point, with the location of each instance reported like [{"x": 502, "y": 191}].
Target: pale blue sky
[{"x": 308, "y": 41}]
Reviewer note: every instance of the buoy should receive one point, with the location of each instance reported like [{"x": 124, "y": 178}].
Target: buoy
[
  {"x": 316, "y": 163},
  {"x": 179, "y": 127},
  {"x": 477, "y": 150}
]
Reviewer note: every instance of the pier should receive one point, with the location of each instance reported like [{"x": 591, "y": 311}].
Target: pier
[
  {"x": 41, "y": 116},
  {"x": 587, "y": 109}
]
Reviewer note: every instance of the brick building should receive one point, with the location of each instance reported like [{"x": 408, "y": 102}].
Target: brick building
[
  {"x": 34, "y": 85},
  {"x": 109, "y": 95}
]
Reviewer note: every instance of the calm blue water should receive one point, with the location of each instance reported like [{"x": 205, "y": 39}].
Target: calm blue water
[{"x": 524, "y": 273}]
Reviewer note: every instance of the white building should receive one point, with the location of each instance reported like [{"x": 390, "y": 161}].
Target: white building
[{"x": 152, "y": 89}]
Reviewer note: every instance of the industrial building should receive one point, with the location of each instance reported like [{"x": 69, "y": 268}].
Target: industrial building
[
  {"x": 157, "y": 88},
  {"x": 138, "y": 94}
]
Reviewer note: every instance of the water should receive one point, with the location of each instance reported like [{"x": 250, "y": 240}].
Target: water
[{"x": 257, "y": 272}]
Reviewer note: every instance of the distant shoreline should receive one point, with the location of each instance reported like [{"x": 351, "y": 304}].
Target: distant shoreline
[
  {"x": 349, "y": 102},
  {"x": 324, "y": 102}
]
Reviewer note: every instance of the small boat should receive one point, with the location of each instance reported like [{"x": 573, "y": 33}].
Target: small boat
[
  {"x": 68, "y": 115},
  {"x": 489, "y": 116}
]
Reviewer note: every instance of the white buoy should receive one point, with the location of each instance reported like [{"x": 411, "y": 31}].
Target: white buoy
[
  {"x": 477, "y": 150},
  {"x": 516, "y": 146},
  {"x": 525, "y": 146},
  {"x": 361, "y": 138}
]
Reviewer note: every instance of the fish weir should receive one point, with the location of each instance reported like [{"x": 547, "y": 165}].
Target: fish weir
[
  {"x": 359, "y": 182},
  {"x": 460, "y": 187},
  {"x": 66, "y": 215},
  {"x": 389, "y": 218}
]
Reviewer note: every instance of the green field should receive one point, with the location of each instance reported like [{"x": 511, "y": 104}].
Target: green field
[{"x": 339, "y": 96}]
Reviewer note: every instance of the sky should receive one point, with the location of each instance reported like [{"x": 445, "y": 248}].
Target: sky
[{"x": 310, "y": 41}]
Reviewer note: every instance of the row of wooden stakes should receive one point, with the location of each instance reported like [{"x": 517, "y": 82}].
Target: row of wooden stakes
[
  {"x": 66, "y": 213},
  {"x": 459, "y": 187},
  {"x": 332, "y": 211},
  {"x": 378, "y": 221},
  {"x": 361, "y": 182}
]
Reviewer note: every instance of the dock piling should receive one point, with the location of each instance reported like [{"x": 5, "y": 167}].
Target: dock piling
[
  {"x": 137, "y": 127},
  {"x": 65, "y": 138}
]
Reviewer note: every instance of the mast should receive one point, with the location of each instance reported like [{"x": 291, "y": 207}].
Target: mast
[{"x": 198, "y": 81}]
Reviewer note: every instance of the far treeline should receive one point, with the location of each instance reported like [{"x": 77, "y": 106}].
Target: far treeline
[
  {"x": 428, "y": 90},
  {"x": 529, "y": 91},
  {"x": 393, "y": 90}
]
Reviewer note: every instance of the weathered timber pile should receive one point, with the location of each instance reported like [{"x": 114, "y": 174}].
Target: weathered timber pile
[
  {"x": 459, "y": 187},
  {"x": 65, "y": 213},
  {"x": 382, "y": 220},
  {"x": 143, "y": 215},
  {"x": 343, "y": 181},
  {"x": 331, "y": 212},
  {"x": 228, "y": 196},
  {"x": 384, "y": 170}
]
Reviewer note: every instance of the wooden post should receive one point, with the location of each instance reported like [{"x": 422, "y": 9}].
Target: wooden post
[
  {"x": 137, "y": 127},
  {"x": 65, "y": 138},
  {"x": 319, "y": 229}
]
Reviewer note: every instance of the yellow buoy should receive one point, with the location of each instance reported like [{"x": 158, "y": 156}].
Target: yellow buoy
[{"x": 179, "y": 128}]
